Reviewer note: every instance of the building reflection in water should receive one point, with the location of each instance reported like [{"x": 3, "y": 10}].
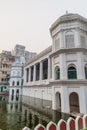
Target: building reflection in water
[{"x": 29, "y": 111}]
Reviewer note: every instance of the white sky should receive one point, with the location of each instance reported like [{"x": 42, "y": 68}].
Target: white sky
[{"x": 27, "y": 22}]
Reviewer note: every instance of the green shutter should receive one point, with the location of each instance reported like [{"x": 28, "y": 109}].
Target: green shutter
[{"x": 72, "y": 73}]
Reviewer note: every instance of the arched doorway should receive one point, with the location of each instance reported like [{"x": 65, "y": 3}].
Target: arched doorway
[
  {"x": 12, "y": 96},
  {"x": 58, "y": 101},
  {"x": 74, "y": 102}
]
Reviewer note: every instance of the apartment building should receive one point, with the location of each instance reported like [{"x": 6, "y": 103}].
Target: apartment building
[
  {"x": 19, "y": 51},
  {"x": 6, "y": 60}
]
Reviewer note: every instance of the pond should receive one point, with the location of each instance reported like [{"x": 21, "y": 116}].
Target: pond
[{"x": 26, "y": 111}]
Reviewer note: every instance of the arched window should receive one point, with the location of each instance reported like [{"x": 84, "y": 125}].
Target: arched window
[
  {"x": 17, "y": 83},
  {"x": 17, "y": 94},
  {"x": 12, "y": 96},
  {"x": 72, "y": 74},
  {"x": 57, "y": 73},
  {"x": 86, "y": 72},
  {"x": 13, "y": 83}
]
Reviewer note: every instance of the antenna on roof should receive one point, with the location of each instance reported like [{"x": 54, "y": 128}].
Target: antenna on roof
[{"x": 66, "y": 11}]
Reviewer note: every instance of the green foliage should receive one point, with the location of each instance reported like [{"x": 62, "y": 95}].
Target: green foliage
[{"x": 85, "y": 129}]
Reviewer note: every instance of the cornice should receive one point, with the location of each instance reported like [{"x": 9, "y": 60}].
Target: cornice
[
  {"x": 59, "y": 82},
  {"x": 39, "y": 86},
  {"x": 74, "y": 82},
  {"x": 68, "y": 50},
  {"x": 68, "y": 18}
]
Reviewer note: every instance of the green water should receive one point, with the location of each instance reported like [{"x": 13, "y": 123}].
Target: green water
[{"x": 16, "y": 115}]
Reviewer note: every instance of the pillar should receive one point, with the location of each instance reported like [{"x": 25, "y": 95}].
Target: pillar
[
  {"x": 65, "y": 100},
  {"x": 80, "y": 66},
  {"x": 53, "y": 74},
  {"x": 41, "y": 70},
  {"x": 29, "y": 74},
  {"x": 83, "y": 100},
  {"x": 63, "y": 67},
  {"x": 25, "y": 73},
  {"x": 62, "y": 37},
  {"x": 53, "y": 98},
  {"x": 34, "y": 76},
  {"x": 49, "y": 68},
  {"x": 77, "y": 38}
]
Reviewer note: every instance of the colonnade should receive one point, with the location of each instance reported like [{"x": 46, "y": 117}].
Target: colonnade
[{"x": 38, "y": 71}]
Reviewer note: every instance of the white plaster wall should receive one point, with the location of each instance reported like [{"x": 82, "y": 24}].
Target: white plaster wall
[
  {"x": 71, "y": 57},
  {"x": 56, "y": 59},
  {"x": 37, "y": 92}
]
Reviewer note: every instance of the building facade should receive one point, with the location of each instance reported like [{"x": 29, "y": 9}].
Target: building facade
[
  {"x": 59, "y": 73},
  {"x": 6, "y": 60}
]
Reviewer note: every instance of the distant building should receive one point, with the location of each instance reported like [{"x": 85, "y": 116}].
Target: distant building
[
  {"x": 29, "y": 55},
  {"x": 19, "y": 51},
  {"x": 6, "y": 60}
]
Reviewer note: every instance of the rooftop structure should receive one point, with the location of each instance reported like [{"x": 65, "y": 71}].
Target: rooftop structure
[{"x": 19, "y": 51}]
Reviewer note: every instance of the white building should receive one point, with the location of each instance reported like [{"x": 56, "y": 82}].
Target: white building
[
  {"x": 59, "y": 73},
  {"x": 15, "y": 88}
]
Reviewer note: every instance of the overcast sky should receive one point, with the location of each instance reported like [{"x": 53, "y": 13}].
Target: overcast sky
[{"x": 27, "y": 22}]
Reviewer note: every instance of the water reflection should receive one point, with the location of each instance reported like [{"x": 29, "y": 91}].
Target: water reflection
[{"x": 15, "y": 114}]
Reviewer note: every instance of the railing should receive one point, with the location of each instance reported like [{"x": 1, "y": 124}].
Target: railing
[{"x": 79, "y": 123}]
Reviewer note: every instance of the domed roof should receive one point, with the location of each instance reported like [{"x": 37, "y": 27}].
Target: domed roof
[{"x": 67, "y": 17}]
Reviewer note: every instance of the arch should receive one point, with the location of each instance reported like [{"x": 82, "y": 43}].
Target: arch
[
  {"x": 58, "y": 101},
  {"x": 12, "y": 96},
  {"x": 17, "y": 94},
  {"x": 51, "y": 126},
  {"x": 85, "y": 68},
  {"x": 13, "y": 83},
  {"x": 72, "y": 72},
  {"x": 62, "y": 125},
  {"x": 17, "y": 83},
  {"x": 57, "y": 72},
  {"x": 74, "y": 102}
]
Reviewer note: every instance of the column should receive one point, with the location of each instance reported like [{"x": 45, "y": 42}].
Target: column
[
  {"x": 77, "y": 38},
  {"x": 63, "y": 67},
  {"x": 25, "y": 73},
  {"x": 80, "y": 66},
  {"x": 62, "y": 37},
  {"x": 41, "y": 70},
  {"x": 34, "y": 75},
  {"x": 53, "y": 98},
  {"x": 53, "y": 77},
  {"x": 30, "y": 74},
  {"x": 65, "y": 99},
  {"x": 83, "y": 99},
  {"x": 49, "y": 68}
]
